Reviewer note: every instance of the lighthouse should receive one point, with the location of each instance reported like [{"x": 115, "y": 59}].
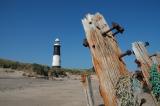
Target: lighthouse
[{"x": 56, "y": 63}]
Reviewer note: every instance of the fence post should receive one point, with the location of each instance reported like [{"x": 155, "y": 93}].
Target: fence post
[{"x": 87, "y": 86}]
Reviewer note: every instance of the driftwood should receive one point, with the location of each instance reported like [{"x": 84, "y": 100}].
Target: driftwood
[
  {"x": 87, "y": 86},
  {"x": 105, "y": 56}
]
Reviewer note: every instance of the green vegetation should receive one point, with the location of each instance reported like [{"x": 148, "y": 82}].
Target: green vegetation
[
  {"x": 40, "y": 69},
  {"x": 77, "y": 71},
  {"x": 155, "y": 81},
  {"x": 36, "y": 68}
]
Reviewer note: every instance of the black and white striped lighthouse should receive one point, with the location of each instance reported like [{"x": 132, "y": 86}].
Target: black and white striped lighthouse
[{"x": 56, "y": 63}]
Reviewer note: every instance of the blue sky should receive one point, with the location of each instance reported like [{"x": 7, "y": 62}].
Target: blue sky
[{"x": 29, "y": 27}]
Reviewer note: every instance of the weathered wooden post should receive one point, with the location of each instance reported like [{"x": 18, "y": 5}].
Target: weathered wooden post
[
  {"x": 145, "y": 62},
  {"x": 142, "y": 57},
  {"x": 87, "y": 86},
  {"x": 155, "y": 58},
  {"x": 106, "y": 55},
  {"x": 158, "y": 58}
]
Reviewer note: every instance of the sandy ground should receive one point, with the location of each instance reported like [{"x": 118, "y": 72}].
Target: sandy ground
[{"x": 16, "y": 90}]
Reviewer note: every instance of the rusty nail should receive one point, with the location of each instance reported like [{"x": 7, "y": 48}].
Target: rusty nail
[
  {"x": 128, "y": 52},
  {"x": 85, "y": 43},
  {"x": 153, "y": 55},
  {"x": 146, "y": 44}
]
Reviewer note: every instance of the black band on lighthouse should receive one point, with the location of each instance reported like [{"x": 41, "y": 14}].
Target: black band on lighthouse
[{"x": 56, "y": 50}]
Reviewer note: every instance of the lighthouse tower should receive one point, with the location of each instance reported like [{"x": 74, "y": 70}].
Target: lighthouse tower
[{"x": 56, "y": 63}]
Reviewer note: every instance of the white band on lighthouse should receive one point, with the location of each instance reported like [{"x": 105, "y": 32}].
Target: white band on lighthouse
[{"x": 56, "y": 61}]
